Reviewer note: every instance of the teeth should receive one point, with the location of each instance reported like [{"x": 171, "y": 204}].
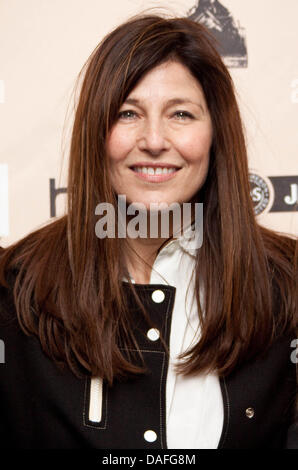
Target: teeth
[{"x": 154, "y": 171}]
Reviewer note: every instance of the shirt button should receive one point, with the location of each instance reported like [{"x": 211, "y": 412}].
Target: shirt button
[
  {"x": 250, "y": 412},
  {"x": 150, "y": 436},
  {"x": 153, "y": 334},
  {"x": 158, "y": 296}
]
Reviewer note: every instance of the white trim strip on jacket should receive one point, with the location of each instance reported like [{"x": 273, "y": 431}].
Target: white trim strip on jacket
[{"x": 95, "y": 404}]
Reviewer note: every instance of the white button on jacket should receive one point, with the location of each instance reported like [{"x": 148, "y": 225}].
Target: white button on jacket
[
  {"x": 150, "y": 436},
  {"x": 153, "y": 334},
  {"x": 158, "y": 296}
]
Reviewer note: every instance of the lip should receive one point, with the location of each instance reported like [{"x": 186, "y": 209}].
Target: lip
[
  {"x": 155, "y": 178},
  {"x": 155, "y": 165}
]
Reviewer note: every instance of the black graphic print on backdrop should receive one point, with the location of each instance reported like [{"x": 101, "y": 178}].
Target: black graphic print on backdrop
[
  {"x": 230, "y": 35},
  {"x": 286, "y": 193},
  {"x": 274, "y": 193},
  {"x": 271, "y": 193}
]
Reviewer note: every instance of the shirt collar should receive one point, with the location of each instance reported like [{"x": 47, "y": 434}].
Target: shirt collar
[{"x": 186, "y": 242}]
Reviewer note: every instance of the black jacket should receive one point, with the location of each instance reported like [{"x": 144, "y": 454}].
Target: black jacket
[{"x": 44, "y": 407}]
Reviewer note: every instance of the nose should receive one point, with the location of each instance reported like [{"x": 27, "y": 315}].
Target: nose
[{"x": 153, "y": 137}]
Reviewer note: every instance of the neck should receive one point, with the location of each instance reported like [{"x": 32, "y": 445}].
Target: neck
[
  {"x": 140, "y": 253},
  {"x": 140, "y": 256}
]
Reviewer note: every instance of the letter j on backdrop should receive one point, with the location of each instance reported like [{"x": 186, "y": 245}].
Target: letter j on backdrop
[{"x": 4, "y": 225}]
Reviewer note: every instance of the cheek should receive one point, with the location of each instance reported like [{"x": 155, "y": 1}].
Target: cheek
[
  {"x": 195, "y": 148},
  {"x": 119, "y": 144}
]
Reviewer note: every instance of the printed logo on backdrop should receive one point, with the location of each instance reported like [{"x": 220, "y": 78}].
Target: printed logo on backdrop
[
  {"x": 227, "y": 31},
  {"x": 54, "y": 192},
  {"x": 286, "y": 193},
  {"x": 273, "y": 193},
  {"x": 261, "y": 193},
  {"x": 269, "y": 194}
]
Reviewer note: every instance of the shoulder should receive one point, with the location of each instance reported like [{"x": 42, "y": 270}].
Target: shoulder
[{"x": 282, "y": 259}]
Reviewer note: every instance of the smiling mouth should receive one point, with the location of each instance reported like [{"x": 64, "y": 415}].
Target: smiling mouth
[
  {"x": 156, "y": 170},
  {"x": 155, "y": 174}
]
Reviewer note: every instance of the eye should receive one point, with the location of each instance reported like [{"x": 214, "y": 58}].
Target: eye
[
  {"x": 128, "y": 114},
  {"x": 183, "y": 115}
]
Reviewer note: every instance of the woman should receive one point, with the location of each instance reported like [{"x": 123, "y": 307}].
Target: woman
[{"x": 151, "y": 342}]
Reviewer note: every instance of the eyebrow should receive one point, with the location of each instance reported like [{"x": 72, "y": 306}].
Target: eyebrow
[{"x": 170, "y": 102}]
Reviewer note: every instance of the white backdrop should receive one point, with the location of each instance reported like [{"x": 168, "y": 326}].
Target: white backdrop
[{"x": 43, "y": 46}]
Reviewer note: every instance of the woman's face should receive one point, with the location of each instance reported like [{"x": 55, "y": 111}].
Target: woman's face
[{"x": 159, "y": 146}]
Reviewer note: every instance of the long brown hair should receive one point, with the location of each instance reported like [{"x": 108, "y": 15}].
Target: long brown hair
[{"x": 68, "y": 288}]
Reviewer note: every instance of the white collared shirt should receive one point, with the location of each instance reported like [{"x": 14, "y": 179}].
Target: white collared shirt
[{"x": 194, "y": 405}]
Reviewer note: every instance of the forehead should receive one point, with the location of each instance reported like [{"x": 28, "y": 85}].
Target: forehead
[{"x": 165, "y": 80}]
